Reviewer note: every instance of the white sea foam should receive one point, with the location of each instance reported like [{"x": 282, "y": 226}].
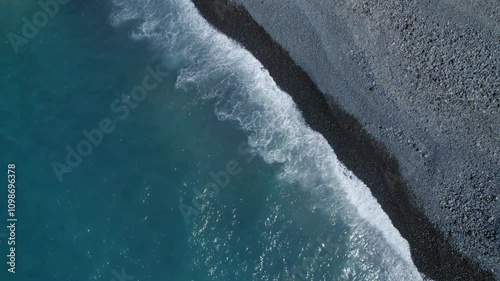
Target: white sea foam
[{"x": 245, "y": 92}]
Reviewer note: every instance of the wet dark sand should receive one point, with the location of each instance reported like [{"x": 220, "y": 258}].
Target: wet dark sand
[{"x": 432, "y": 253}]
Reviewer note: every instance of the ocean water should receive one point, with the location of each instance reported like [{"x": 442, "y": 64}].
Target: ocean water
[{"x": 148, "y": 146}]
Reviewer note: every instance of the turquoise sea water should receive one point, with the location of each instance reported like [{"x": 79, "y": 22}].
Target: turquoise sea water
[{"x": 210, "y": 175}]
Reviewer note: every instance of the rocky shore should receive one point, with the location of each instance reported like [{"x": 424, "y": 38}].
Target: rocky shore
[{"x": 407, "y": 94}]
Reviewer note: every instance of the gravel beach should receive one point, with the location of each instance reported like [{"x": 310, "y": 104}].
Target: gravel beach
[{"x": 407, "y": 94}]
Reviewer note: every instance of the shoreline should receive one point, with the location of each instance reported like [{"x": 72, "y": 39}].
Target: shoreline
[{"x": 367, "y": 158}]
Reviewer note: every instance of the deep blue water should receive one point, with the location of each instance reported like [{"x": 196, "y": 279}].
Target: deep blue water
[{"x": 213, "y": 176}]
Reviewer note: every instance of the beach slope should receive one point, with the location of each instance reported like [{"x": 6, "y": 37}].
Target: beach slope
[{"x": 407, "y": 95}]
